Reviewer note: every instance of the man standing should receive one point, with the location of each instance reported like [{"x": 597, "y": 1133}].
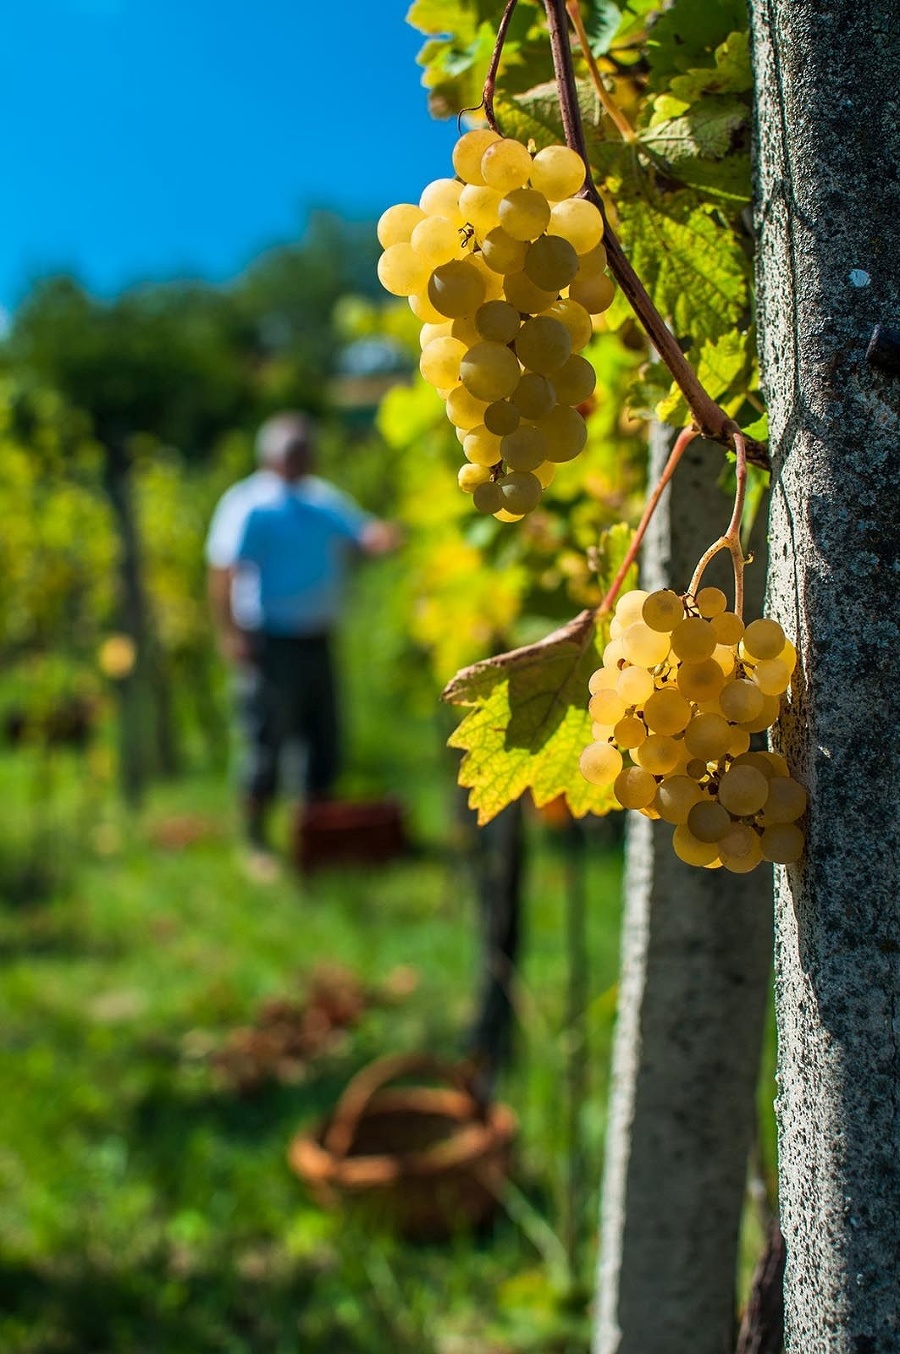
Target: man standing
[{"x": 278, "y": 549}]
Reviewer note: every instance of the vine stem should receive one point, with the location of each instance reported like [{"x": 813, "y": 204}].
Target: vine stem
[
  {"x": 731, "y": 541},
  {"x": 709, "y": 418},
  {"x": 610, "y": 107},
  {"x": 490, "y": 81},
  {"x": 682, "y": 442}
]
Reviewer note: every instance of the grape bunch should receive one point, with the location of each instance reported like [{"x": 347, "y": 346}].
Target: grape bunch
[
  {"x": 682, "y": 688},
  {"x": 504, "y": 266}
]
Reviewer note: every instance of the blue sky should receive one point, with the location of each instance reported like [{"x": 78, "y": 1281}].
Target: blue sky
[{"x": 163, "y": 138}]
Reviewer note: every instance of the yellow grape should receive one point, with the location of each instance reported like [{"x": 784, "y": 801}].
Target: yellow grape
[
  {"x": 441, "y": 198},
  {"x": 786, "y": 801},
  {"x": 396, "y": 224},
  {"x": 482, "y": 447},
  {"x": 629, "y": 732},
  {"x": 708, "y": 736},
  {"x": 740, "y": 852},
  {"x": 551, "y": 263},
  {"x": 502, "y": 253},
  {"x": 468, "y": 151},
  {"x": 634, "y": 788},
  {"x": 506, "y": 164},
  {"x": 455, "y": 288},
  {"x": 439, "y": 363},
  {"x": 525, "y": 295},
  {"x": 709, "y": 821},
  {"x": 676, "y": 797},
  {"x": 489, "y": 371},
  {"x": 763, "y": 639},
  {"x": 607, "y": 706},
  {"x": 497, "y": 321},
  {"x": 545, "y": 472},
  {"x": 711, "y": 602},
  {"x": 487, "y": 498},
  {"x": 690, "y": 849},
  {"x": 740, "y": 742},
  {"x": 543, "y": 345},
  {"x": 521, "y": 491},
  {"x": 436, "y": 240},
  {"x": 782, "y": 843},
  {"x": 634, "y": 685},
  {"x": 693, "y": 639},
  {"x": 743, "y": 790},
  {"x": 600, "y": 763},
  {"x": 503, "y": 516},
  {"x": 557, "y": 172},
  {"x": 470, "y": 476},
  {"x": 428, "y": 332},
  {"x": 577, "y": 221},
  {"x": 767, "y": 716},
  {"x": 658, "y": 754},
  {"x": 501, "y": 418},
  {"x": 575, "y": 318},
  {"x": 534, "y": 396},
  {"x": 574, "y": 380},
  {"x": 727, "y": 627},
  {"x": 524, "y": 449},
  {"x": 463, "y": 328},
  {"x": 402, "y": 271},
  {"x": 741, "y": 700},
  {"x": 700, "y": 681},
  {"x": 524, "y": 214},
  {"x": 603, "y": 679},
  {"x": 478, "y": 206},
  {"x": 565, "y": 431},
  {"x": 667, "y": 711},
  {"x": 772, "y": 676},
  {"x": 663, "y": 610},
  {"x": 630, "y": 606},
  {"x": 595, "y": 292},
  {"x": 464, "y": 410},
  {"x": 643, "y": 646}
]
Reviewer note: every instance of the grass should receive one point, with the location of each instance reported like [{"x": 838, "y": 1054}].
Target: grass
[{"x": 147, "y": 1204}]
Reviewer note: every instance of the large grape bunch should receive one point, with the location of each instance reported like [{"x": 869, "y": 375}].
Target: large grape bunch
[
  {"x": 505, "y": 266},
  {"x": 682, "y": 688}
]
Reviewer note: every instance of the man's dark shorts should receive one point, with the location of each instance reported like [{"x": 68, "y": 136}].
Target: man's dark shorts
[{"x": 287, "y": 710}]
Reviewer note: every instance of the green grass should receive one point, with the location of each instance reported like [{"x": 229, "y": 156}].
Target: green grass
[{"x": 147, "y": 1206}]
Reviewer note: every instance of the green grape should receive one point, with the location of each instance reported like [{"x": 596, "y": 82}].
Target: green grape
[
  {"x": 497, "y": 321},
  {"x": 455, "y": 288},
  {"x": 439, "y": 363},
  {"x": 428, "y": 332},
  {"x": 502, "y": 253},
  {"x": 690, "y": 849},
  {"x": 506, "y": 164},
  {"x": 635, "y": 685},
  {"x": 487, "y": 497},
  {"x": 772, "y": 676},
  {"x": 441, "y": 198},
  {"x": 482, "y": 447},
  {"x": 436, "y": 240},
  {"x": 782, "y": 843},
  {"x": 630, "y": 607},
  {"x": 534, "y": 396},
  {"x": 470, "y": 476},
  {"x": 542, "y": 345},
  {"x": 786, "y": 801},
  {"x": 521, "y": 491},
  {"x": 727, "y": 627},
  {"x": 551, "y": 263},
  {"x": 708, "y": 736},
  {"x": 630, "y": 732},
  {"x": 468, "y": 151},
  {"x": 667, "y": 711},
  {"x": 693, "y": 639},
  {"x": 743, "y": 790},
  {"x": 663, "y": 610},
  {"x": 522, "y": 293},
  {"x": 593, "y": 262},
  {"x": 489, "y": 371},
  {"x": 700, "y": 681},
  {"x": 545, "y": 472},
  {"x": 575, "y": 318},
  {"x": 577, "y": 221},
  {"x": 634, "y": 788},
  {"x": 557, "y": 172},
  {"x": 524, "y": 214},
  {"x": 595, "y": 293},
  {"x": 709, "y": 821},
  {"x": 606, "y": 707},
  {"x": 658, "y": 754},
  {"x": 396, "y": 224},
  {"x": 402, "y": 271},
  {"x": 501, "y": 418},
  {"x": 463, "y": 328},
  {"x": 479, "y": 206},
  {"x": 763, "y": 639},
  {"x": 677, "y": 796},
  {"x": 524, "y": 449},
  {"x": 645, "y": 647},
  {"x": 574, "y": 380},
  {"x": 711, "y": 602},
  {"x": 493, "y": 282},
  {"x": 740, "y": 852},
  {"x": 600, "y": 763},
  {"x": 566, "y": 433},
  {"x": 464, "y": 410},
  {"x": 741, "y": 700}
]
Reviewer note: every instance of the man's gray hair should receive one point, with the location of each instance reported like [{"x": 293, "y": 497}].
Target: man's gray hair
[{"x": 282, "y": 432}]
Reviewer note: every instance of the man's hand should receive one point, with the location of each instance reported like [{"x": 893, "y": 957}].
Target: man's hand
[
  {"x": 380, "y": 538},
  {"x": 234, "y": 646}
]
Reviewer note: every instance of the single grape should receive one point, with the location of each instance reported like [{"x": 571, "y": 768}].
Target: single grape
[
  {"x": 470, "y": 476},
  {"x": 542, "y": 345},
  {"x": 575, "y": 318},
  {"x": 634, "y": 788},
  {"x": 534, "y": 396},
  {"x": 658, "y": 754},
  {"x": 577, "y": 221},
  {"x": 464, "y": 410},
  {"x": 759, "y": 760},
  {"x": 630, "y": 732},
  {"x": 723, "y": 654},
  {"x": 667, "y": 711},
  {"x": 551, "y": 263},
  {"x": 521, "y": 491},
  {"x": 436, "y": 240},
  {"x": 778, "y": 762},
  {"x": 635, "y": 685},
  {"x": 502, "y": 253},
  {"x": 439, "y": 363},
  {"x": 727, "y": 627},
  {"x": 708, "y": 736},
  {"x": 482, "y": 447},
  {"x": 565, "y": 431},
  {"x": 763, "y": 639},
  {"x": 743, "y": 790},
  {"x": 740, "y": 742},
  {"x": 545, "y": 472},
  {"x": 524, "y": 449},
  {"x": 693, "y": 639},
  {"x": 503, "y": 516},
  {"x": 489, "y": 371},
  {"x": 711, "y": 602},
  {"x": 595, "y": 292},
  {"x": 604, "y": 679},
  {"x": 479, "y": 206},
  {"x": 524, "y": 214},
  {"x": 741, "y": 700},
  {"x": 463, "y": 328},
  {"x": 441, "y": 198},
  {"x": 522, "y": 293},
  {"x": 497, "y": 321},
  {"x": 428, "y": 332},
  {"x": 487, "y": 497},
  {"x": 506, "y": 164},
  {"x": 772, "y": 677},
  {"x": 786, "y": 801},
  {"x": 593, "y": 262},
  {"x": 574, "y": 380},
  {"x": 455, "y": 288},
  {"x": 600, "y": 763},
  {"x": 767, "y": 716},
  {"x": 782, "y": 843},
  {"x": 740, "y": 852},
  {"x": 557, "y": 172},
  {"x": 663, "y": 610},
  {"x": 468, "y": 151},
  {"x": 709, "y": 821},
  {"x": 402, "y": 271},
  {"x": 396, "y": 224},
  {"x": 643, "y": 646},
  {"x": 630, "y": 606},
  {"x": 696, "y": 768},
  {"x": 700, "y": 681},
  {"x": 676, "y": 797},
  {"x": 501, "y": 418},
  {"x": 614, "y": 653},
  {"x": 493, "y": 282},
  {"x": 690, "y": 849},
  {"x": 606, "y": 707},
  {"x": 788, "y": 656}
]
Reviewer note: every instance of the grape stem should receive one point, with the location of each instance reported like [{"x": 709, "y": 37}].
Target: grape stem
[
  {"x": 731, "y": 541},
  {"x": 682, "y": 442},
  {"x": 709, "y": 418},
  {"x": 490, "y": 81},
  {"x": 610, "y": 107}
]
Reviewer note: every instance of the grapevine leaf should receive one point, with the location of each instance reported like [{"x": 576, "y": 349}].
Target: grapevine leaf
[
  {"x": 706, "y": 129},
  {"x": 535, "y": 116},
  {"x": 444, "y": 17},
  {"x": 732, "y": 73},
  {"x": 726, "y": 181},
  {"x": 687, "y": 34},
  {"x": 723, "y": 370},
  {"x": 529, "y": 723}
]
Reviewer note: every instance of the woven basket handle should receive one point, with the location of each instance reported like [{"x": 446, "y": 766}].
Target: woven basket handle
[{"x": 361, "y": 1088}]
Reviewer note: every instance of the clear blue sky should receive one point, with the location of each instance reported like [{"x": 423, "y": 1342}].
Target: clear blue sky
[{"x": 162, "y": 138}]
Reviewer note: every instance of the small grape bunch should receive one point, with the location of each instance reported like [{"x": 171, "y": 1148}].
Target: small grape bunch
[
  {"x": 682, "y": 688},
  {"x": 505, "y": 266}
]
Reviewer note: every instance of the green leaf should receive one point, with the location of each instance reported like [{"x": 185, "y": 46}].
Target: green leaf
[
  {"x": 706, "y": 129},
  {"x": 444, "y": 17},
  {"x": 726, "y": 181},
  {"x": 530, "y": 723},
  {"x": 687, "y": 34},
  {"x": 732, "y": 73},
  {"x": 724, "y": 368}
]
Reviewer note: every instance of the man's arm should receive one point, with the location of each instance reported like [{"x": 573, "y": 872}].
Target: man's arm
[
  {"x": 232, "y": 642},
  {"x": 379, "y": 538}
]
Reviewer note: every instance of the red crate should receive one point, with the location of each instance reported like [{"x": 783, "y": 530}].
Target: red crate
[{"x": 337, "y": 832}]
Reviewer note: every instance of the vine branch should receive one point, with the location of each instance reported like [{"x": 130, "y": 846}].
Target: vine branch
[
  {"x": 490, "y": 81},
  {"x": 610, "y": 107}
]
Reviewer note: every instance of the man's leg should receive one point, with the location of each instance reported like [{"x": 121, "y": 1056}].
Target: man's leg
[
  {"x": 320, "y": 720},
  {"x": 259, "y": 723}
]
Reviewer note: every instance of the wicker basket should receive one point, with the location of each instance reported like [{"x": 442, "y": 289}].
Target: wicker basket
[{"x": 424, "y": 1160}]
